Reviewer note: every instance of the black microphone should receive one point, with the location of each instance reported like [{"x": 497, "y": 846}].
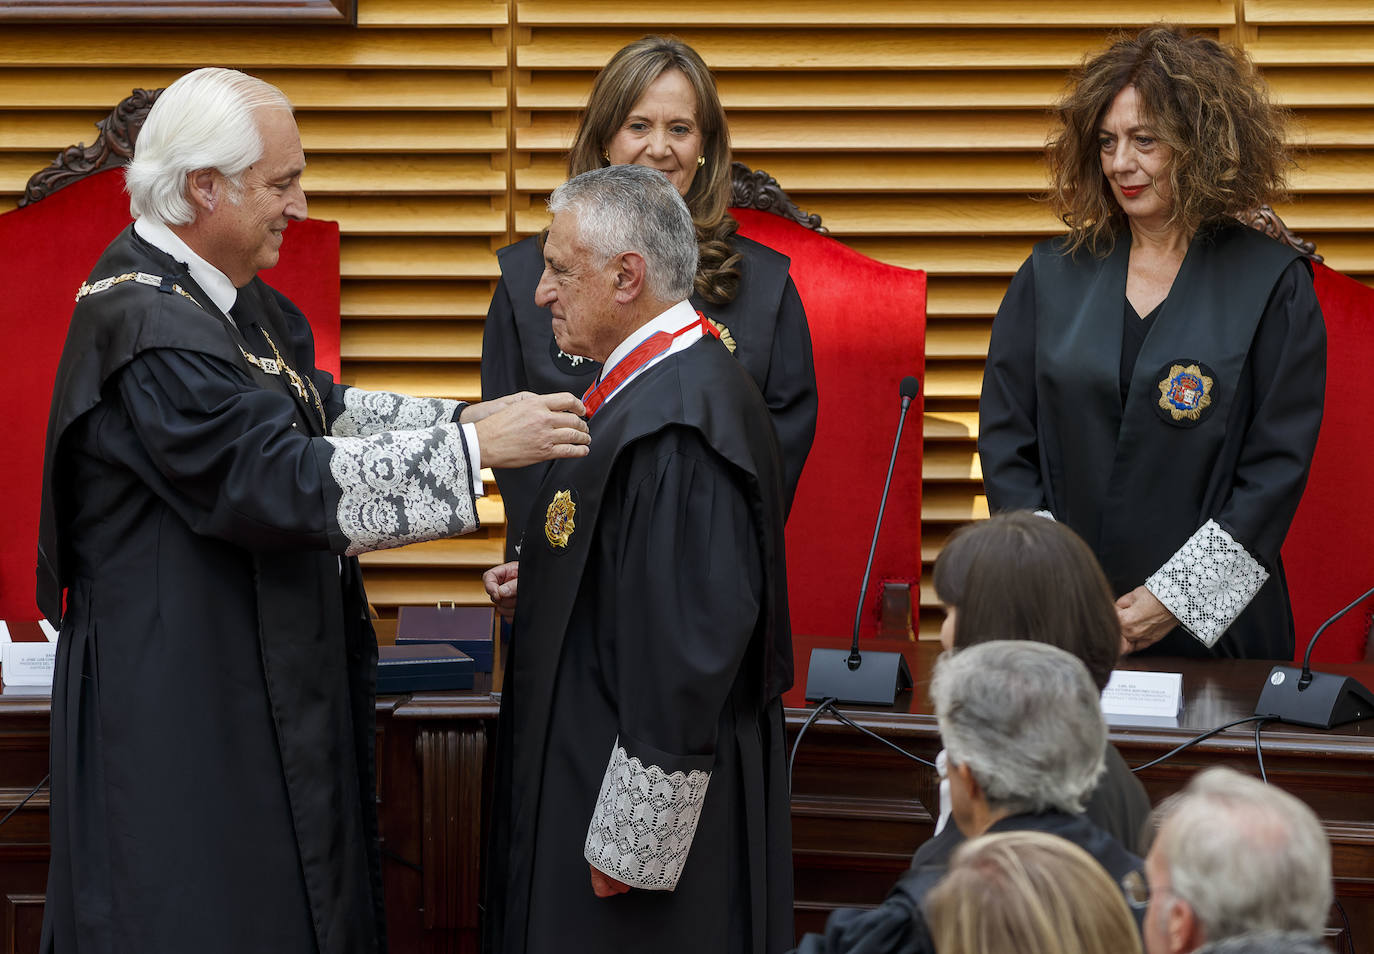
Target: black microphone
[
  {"x": 1321, "y": 700},
  {"x": 832, "y": 674}
]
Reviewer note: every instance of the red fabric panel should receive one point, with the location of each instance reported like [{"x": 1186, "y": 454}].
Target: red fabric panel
[
  {"x": 51, "y": 246},
  {"x": 1328, "y": 555},
  {"x": 868, "y": 328}
]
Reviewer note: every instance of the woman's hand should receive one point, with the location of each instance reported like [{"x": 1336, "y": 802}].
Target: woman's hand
[
  {"x": 604, "y": 886},
  {"x": 501, "y": 583},
  {"x": 1144, "y": 620}
]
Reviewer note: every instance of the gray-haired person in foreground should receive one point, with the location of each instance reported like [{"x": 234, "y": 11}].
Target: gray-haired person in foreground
[
  {"x": 1268, "y": 942},
  {"x": 1234, "y": 856},
  {"x": 642, "y": 800},
  {"x": 205, "y": 490},
  {"x": 1024, "y": 737}
]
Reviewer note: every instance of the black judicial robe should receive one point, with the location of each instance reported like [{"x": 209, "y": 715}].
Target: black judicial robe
[
  {"x": 657, "y": 639},
  {"x": 1138, "y": 481},
  {"x": 213, "y": 785},
  {"x": 765, "y": 321}
]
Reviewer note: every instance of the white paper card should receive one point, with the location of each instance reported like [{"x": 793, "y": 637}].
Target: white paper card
[
  {"x": 4, "y": 633},
  {"x": 1130, "y": 693},
  {"x": 48, "y": 630},
  {"x": 28, "y": 664}
]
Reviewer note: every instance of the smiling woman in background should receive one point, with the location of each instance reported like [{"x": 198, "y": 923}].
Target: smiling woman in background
[
  {"x": 655, "y": 104},
  {"x": 1155, "y": 377}
]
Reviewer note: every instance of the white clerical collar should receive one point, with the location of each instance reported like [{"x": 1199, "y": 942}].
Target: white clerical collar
[
  {"x": 670, "y": 321},
  {"x": 215, "y": 283}
]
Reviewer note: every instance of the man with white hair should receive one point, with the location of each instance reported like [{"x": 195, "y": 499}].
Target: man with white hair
[
  {"x": 1023, "y": 732},
  {"x": 205, "y": 490},
  {"x": 642, "y": 788},
  {"x": 1234, "y": 856}
]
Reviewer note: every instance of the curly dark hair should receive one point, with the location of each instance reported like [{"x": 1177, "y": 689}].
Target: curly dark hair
[
  {"x": 618, "y": 86},
  {"x": 1203, "y": 99}
]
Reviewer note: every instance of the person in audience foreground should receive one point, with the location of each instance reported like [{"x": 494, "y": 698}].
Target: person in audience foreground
[
  {"x": 1233, "y": 856},
  {"x": 1030, "y": 893},
  {"x": 1019, "y": 576},
  {"x": 1268, "y": 942},
  {"x": 1024, "y": 737}
]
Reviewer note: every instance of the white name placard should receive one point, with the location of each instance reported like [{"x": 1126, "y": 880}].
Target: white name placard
[
  {"x": 28, "y": 664},
  {"x": 1155, "y": 694}
]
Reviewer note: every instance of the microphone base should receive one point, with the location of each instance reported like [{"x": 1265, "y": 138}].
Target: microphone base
[
  {"x": 1329, "y": 700},
  {"x": 876, "y": 682}
]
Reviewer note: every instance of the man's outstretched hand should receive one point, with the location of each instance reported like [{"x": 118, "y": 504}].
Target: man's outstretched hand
[{"x": 524, "y": 428}]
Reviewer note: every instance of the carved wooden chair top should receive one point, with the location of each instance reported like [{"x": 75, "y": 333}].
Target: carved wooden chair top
[{"x": 750, "y": 188}]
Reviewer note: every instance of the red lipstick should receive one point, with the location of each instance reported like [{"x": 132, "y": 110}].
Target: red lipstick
[{"x": 1131, "y": 192}]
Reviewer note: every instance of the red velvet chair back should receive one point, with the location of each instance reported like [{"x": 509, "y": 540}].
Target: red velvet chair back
[
  {"x": 1328, "y": 555},
  {"x": 868, "y": 323},
  {"x": 50, "y": 246}
]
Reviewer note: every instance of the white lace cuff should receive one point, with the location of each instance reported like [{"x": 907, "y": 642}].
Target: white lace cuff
[
  {"x": 644, "y": 821},
  {"x": 371, "y": 412},
  {"x": 400, "y": 487},
  {"x": 1046, "y": 514},
  {"x": 1208, "y": 582}
]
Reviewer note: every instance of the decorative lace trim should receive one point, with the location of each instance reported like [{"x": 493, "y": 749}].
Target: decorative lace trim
[
  {"x": 644, "y": 822},
  {"x": 1046, "y": 514},
  {"x": 1208, "y": 582},
  {"x": 371, "y": 412},
  {"x": 402, "y": 487}
]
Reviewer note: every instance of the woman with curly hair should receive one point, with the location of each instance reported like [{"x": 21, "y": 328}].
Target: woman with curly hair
[
  {"x": 1155, "y": 377},
  {"x": 655, "y": 104}
]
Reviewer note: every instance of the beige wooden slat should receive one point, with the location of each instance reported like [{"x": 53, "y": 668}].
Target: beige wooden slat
[
  {"x": 816, "y": 49},
  {"x": 1352, "y": 254},
  {"x": 416, "y": 257},
  {"x": 1351, "y": 213},
  {"x": 398, "y": 340},
  {"x": 391, "y": 587},
  {"x": 950, "y": 296},
  {"x": 798, "y": 130},
  {"x": 247, "y": 48},
  {"x": 469, "y": 552},
  {"x": 950, "y": 425},
  {"x": 397, "y": 131},
  {"x": 367, "y": 298},
  {"x": 1336, "y": 12},
  {"x": 432, "y": 13},
  {"x": 951, "y": 462},
  {"x": 1309, "y": 46},
  {"x": 409, "y": 215},
  {"x": 1315, "y": 86},
  {"x": 403, "y": 172},
  {"x": 941, "y": 503},
  {"x": 963, "y": 339},
  {"x": 1334, "y": 171},
  {"x": 1335, "y": 128},
  {"x": 947, "y": 214},
  {"x": 1014, "y": 172},
  {"x": 456, "y": 380},
  {"x": 954, "y": 379},
  {"x": 327, "y": 88},
  {"x": 858, "y": 89},
  {"x": 982, "y": 14},
  {"x": 48, "y": 131},
  {"x": 15, "y": 170}
]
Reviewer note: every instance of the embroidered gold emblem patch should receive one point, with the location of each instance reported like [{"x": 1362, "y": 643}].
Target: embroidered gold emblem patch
[
  {"x": 558, "y": 524},
  {"x": 1185, "y": 392},
  {"x": 723, "y": 333}
]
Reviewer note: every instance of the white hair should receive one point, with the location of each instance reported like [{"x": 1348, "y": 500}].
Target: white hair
[
  {"x": 635, "y": 209},
  {"x": 204, "y": 120},
  {"x": 1026, "y": 719},
  {"x": 1245, "y": 856}
]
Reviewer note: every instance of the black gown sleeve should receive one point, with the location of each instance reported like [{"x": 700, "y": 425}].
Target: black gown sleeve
[
  {"x": 689, "y": 584},
  {"x": 790, "y": 389},
  {"x": 228, "y": 457},
  {"x": 897, "y": 926},
  {"x": 1008, "y": 439}
]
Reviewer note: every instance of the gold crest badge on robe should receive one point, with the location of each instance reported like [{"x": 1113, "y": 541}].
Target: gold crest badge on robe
[
  {"x": 559, "y": 522},
  {"x": 1186, "y": 392}
]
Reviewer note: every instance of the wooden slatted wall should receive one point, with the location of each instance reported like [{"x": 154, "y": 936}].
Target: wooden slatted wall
[{"x": 914, "y": 127}]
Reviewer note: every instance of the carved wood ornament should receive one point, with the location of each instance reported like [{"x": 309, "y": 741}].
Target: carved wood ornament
[
  {"x": 113, "y": 147},
  {"x": 750, "y": 189}
]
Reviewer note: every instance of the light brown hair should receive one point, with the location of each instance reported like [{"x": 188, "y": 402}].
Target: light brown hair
[
  {"x": 1028, "y": 892},
  {"x": 1203, "y": 99},
  {"x": 618, "y": 86},
  {"x": 1019, "y": 576}
]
